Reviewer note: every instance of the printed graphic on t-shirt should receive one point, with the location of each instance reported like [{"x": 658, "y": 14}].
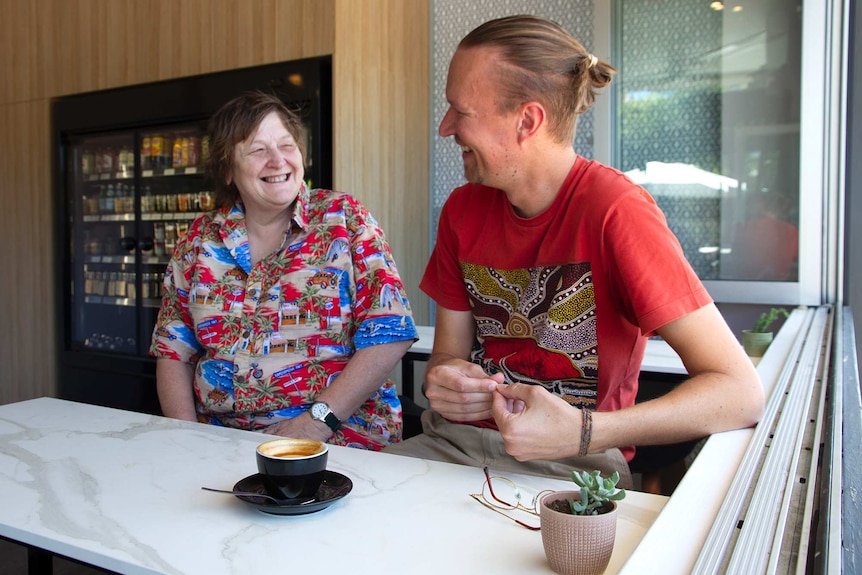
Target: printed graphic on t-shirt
[{"x": 537, "y": 326}]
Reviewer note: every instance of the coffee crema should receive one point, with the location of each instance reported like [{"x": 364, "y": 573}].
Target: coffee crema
[
  {"x": 302, "y": 452},
  {"x": 291, "y": 448}
]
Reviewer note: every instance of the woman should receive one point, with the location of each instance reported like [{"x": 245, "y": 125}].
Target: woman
[{"x": 283, "y": 310}]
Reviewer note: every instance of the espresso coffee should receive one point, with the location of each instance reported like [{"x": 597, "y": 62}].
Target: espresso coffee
[
  {"x": 291, "y": 448},
  {"x": 295, "y": 453},
  {"x": 291, "y": 467}
]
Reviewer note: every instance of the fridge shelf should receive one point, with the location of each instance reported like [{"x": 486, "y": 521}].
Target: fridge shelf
[
  {"x": 130, "y": 259},
  {"x": 189, "y": 171},
  {"x": 110, "y": 300},
  {"x": 155, "y": 260},
  {"x": 109, "y": 218},
  {"x": 170, "y": 216},
  {"x": 123, "y": 175}
]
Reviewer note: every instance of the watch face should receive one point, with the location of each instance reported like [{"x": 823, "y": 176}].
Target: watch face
[{"x": 318, "y": 410}]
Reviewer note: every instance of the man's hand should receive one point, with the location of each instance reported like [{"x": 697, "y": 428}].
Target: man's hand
[
  {"x": 536, "y": 424},
  {"x": 460, "y": 390}
]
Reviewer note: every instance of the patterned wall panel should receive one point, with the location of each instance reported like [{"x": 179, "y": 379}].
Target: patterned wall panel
[
  {"x": 670, "y": 79},
  {"x": 451, "y": 21}
]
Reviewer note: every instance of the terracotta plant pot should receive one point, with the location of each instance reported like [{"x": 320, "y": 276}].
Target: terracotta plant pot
[
  {"x": 577, "y": 544},
  {"x": 755, "y": 343}
]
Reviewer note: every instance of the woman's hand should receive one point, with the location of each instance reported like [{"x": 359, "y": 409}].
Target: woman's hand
[{"x": 301, "y": 426}]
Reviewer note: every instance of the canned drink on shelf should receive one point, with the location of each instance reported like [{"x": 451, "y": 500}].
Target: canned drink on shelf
[
  {"x": 206, "y": 200},
  {"x": 146, "y": 150},
  {"x": 157, "y": 145},
  {"x": 177, "y": 154},
  {"x": 186, "y": 147},
  {"x": 129, "y": 279},
  {"x": 148, "y": 201},
  {"x": 87, "y": 162},
  {"x": 193, "y": 158}
]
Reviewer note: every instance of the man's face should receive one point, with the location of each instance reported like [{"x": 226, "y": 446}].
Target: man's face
[{"x": 486, "y": 136}]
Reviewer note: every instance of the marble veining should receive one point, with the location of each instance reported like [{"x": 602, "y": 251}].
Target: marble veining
[{"x": 121, "y": 490}]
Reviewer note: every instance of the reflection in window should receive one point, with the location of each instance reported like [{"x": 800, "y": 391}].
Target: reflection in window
[{"x": 709, "y": 125}]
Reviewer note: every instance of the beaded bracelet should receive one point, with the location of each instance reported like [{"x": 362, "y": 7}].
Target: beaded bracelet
[{"x": 586, "y": 432}]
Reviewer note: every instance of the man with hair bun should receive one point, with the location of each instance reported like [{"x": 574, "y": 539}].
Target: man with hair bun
[{"x": 550, "y": 272}]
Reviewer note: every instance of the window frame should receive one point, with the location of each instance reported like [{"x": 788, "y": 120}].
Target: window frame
[{"x": 824, "y": 46}]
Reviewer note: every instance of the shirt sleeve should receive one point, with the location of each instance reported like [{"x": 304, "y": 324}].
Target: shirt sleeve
[
  {"x": 381, "y": 309},
  {"x": 174, "y": 335},
  {"x": 649, "y": 265}
]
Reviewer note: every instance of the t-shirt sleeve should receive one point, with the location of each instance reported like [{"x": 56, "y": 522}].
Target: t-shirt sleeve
[{"x": 648, "y": 263}]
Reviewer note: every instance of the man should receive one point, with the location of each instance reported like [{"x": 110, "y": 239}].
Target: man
[{"x": 549, "y": 273}]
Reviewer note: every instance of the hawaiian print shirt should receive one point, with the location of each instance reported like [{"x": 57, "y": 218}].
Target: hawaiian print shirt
[{"x": 267, "y": 339}]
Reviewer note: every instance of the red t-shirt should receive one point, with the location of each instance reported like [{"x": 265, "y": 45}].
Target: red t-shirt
[{"x": 565, "y": 299}]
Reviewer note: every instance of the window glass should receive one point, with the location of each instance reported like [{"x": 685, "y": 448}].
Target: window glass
[{"x": 709, "y": 112}]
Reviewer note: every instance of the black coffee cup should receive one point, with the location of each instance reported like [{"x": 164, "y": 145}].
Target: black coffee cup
[{"x": 291, "y": 467}]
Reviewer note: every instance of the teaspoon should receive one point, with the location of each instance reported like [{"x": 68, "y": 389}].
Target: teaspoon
[{"x": 254, "y": 494}]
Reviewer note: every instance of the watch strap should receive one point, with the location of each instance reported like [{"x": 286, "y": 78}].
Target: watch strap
[{"x": 332, "y": 421}]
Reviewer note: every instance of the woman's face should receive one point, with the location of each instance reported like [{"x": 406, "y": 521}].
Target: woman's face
[{"x": 267, "y": 167}]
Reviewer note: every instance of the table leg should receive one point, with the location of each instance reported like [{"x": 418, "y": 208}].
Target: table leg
[
  {"x": 407, "y": 377},
  {"x": 39, "y": 561}
]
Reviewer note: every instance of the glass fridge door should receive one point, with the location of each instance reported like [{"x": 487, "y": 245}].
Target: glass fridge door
[
  {"x": 135, "y": 194},
  {"x": 173, "y": 192},
  {"x": 103, "y": 244}
]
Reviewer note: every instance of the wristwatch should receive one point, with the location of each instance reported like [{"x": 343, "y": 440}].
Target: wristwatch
[{"x": 321, "y": 412}]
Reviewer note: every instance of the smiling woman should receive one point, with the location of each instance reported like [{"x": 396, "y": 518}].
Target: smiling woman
[{"x": 297, "y": 314}]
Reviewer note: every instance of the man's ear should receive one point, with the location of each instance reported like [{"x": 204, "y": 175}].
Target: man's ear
[{"x": 532, "y": 118}]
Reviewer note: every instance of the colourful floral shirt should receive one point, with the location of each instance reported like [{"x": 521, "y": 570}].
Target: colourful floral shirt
[{"x": 267, "y": 339}]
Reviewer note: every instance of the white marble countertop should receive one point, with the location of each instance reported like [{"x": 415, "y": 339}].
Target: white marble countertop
[{"x": 121, "y": 490}]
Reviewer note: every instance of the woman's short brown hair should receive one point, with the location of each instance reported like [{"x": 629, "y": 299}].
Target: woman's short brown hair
[
  {"x": 541, "y": 62},
  {"x": 234, "y": 123}
]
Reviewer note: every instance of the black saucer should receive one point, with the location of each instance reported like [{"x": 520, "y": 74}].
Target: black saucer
[{"x": 334, "y": 487}]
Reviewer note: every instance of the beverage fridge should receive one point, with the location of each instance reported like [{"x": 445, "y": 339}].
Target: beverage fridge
[{"x": 129, "y": 179}]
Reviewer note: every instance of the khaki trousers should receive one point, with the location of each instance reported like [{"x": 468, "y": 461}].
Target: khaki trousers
[{"x": 443, "y": 440}]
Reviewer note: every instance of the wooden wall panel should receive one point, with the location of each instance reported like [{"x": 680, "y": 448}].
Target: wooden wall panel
[
  {"x": 15, "y": 51},
  {"x": 381, "y": 95},
  {"x": 27, "y": 348}
]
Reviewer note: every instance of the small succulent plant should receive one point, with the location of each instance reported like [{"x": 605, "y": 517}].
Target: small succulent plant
[{"x": 595, "y": 492}]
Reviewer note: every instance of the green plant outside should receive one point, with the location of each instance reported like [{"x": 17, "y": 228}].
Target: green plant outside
[{"x": 767, "y": 318}]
